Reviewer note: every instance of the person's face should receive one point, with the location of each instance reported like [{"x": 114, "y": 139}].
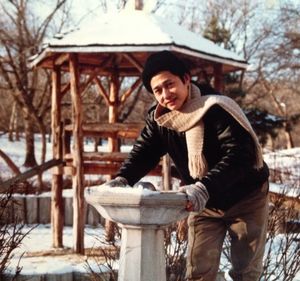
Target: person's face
[{"x": 169, "y": 90}]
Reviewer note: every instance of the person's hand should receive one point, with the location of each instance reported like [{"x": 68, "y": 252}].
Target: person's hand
[
  {"x": 197, "y": 196},
  {"x": 145, "y": 185},
  {"x": 117, "y": 182}
]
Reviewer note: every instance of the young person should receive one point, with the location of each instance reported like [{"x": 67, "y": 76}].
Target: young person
[{"x": 219, "y": 160}]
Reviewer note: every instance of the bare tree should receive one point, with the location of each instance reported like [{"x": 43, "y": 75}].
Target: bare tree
[
  {"x": 21, "y": 33},
  {"x": 268, "y": 38},
  {"x": 278, "y": 68}
]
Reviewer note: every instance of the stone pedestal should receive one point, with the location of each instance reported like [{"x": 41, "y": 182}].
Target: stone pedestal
[
  {"x": 142, "y": 254},
  {"x": 142, "y": 215}
]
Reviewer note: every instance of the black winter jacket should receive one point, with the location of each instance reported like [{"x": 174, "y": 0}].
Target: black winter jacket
[{"x": 228, "y": 148}]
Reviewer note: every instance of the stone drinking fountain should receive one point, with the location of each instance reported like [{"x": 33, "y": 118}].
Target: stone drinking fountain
[{"x": 142, "y": 214}]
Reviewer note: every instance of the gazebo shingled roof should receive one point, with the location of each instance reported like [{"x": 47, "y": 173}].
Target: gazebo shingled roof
[{"x": 136, "y": 33}]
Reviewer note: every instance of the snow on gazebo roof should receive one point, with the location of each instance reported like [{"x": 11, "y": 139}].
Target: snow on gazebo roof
[{"x": 133, "y": 31}]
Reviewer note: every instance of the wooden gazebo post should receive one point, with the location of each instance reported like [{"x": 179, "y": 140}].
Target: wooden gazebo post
[
  {"x": 78, "y": 185},
  {"x": 113, "y": 145},
  {"x": 57, "y": 177}
]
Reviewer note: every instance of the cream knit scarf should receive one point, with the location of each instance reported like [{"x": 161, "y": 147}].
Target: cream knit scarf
[{"x": 188, "y": 119}]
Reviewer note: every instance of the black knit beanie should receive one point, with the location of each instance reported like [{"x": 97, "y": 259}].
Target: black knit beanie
[{"x": 162, "y": 61}]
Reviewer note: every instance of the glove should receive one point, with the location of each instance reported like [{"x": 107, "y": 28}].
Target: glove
[
  {"x": 145, "y": 185},
  {"x": 117, "y": 182},
  {"x": 197, "y": 194}
]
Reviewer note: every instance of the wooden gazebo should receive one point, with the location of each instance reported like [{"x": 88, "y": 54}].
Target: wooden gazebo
[{"x": 115, "y": 47}]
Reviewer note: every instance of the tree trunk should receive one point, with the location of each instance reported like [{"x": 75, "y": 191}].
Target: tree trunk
[
  {"x": 44, "y": 141},
  {"x": 17, "y": 127},
  {"x": 12, "y": 122},
  {"x": 30, "y": 160},
  {"x": 42, "y": 130}
]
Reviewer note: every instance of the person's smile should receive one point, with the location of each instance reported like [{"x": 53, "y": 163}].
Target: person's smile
[{"x": 169, "y": 90}]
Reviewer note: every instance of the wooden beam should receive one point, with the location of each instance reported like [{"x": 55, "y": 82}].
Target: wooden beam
[
  {"x": 61, "y": 59},
  {"x": 100, "y": 157},
  {"x": 134, "y": 61},
  {"x": 30, "y": 173},
  {"x": 113, "y": 144},
  {"x": 65, "y": 89},
  {"x": 78, "y": 184},
  {"x": 57, "y": 212},
  {"x": 106, "y": 61},
  {"x": 129, "y": 71},
  {"x": 112, "y": 169},
  {"x": 106, "y": 130},
  {"x": 113, "y": 108},
  {"x": 129, "y": 91},
  {"x": 166, "y": 172},
  {"x": 85, "y": 86},
  {"x": 66, "y": 170},
  {"x": 102, "y": 90}
]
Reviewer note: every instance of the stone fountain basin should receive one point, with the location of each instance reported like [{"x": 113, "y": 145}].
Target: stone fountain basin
[{"x": 137, "y": 206}]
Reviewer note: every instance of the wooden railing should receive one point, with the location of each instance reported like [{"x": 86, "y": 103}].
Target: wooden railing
[
  {"x": 106, "y": 163},
  {"x": 106, "y": 130},
  {"x": 30, "y": 173}
]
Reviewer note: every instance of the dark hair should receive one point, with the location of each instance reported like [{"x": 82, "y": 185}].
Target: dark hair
[{"x": 163, "y": 61}]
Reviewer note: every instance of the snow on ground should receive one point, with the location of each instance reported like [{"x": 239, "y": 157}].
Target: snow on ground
[
  {"x": 33, "y": 262},
  {"x": 285, "y": 189},
  {"x": 286, "y": 165},
  {"x": 39, "y": 239},
  {"x": 287, "y": 159}
]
